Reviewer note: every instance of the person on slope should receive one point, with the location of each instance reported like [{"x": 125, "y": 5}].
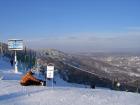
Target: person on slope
[
  {"x": 29, "y": 79},
  {"x": 12, "y": 62}
]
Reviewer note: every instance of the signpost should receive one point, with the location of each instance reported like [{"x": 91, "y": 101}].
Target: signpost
[
  {"x": 50, "y": 71},
  {"x": 15, "y": 44}
]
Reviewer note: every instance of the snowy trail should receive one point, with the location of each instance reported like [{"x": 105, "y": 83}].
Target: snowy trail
[{"x": 14, "y": 94}]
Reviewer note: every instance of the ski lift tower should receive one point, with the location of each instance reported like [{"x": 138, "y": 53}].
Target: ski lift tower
[{"x": 15, "y": 45}]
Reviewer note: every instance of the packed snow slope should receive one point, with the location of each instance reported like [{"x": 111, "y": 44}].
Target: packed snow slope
[
  {"x": 12, "y": 93},
  {"x": 6, "y": 71}
]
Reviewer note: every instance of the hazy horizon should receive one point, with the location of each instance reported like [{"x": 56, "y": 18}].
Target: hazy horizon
[{"x": 73, "y": 26}]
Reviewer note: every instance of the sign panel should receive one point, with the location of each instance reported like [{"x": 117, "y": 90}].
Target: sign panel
[
  {"x": 15, "y": 44},
  {"x": 50, "y": 71}
]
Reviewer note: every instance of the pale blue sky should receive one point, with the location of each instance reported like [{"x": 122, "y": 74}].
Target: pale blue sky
[{"x": 72, "y": 25}]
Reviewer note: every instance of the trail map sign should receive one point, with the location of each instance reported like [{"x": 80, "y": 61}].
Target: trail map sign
[
  {"x": 15, "y": 44},
  {"x": 50, "y": 71}
]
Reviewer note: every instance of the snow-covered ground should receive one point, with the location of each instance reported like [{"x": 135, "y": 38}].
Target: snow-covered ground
[
  {"x": 63, "y": 93},
  {"x": 14, "y": 94},
  {"x": 7, "y": 71}
]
